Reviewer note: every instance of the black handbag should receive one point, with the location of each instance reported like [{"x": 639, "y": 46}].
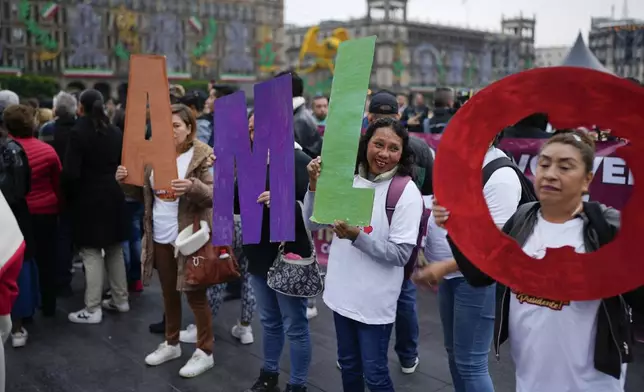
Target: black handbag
[{"x": 296, "y": 276}]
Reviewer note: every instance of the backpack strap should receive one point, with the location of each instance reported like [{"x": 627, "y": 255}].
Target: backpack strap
[
  {"x": 395, "y": 191},
  {"x": 527, "y": 189},
  {"x": 598, "y": 222},
  {"x": 495, "y": 165}
]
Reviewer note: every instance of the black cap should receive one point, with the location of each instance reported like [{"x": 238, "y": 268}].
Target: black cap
[{"x": 383, "y": 102}]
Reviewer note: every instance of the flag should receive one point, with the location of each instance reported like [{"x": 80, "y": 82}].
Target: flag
[
  {"x": 196, "y": 24},
  {"x": 49, "y": 10}
]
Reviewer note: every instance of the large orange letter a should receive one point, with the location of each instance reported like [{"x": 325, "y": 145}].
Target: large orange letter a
[{"x": 148, "y": 83}]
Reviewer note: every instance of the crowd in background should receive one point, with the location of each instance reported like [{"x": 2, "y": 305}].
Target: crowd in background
[{"x": 66, "y": 189}]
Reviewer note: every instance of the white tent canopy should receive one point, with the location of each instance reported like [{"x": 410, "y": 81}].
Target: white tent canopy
[{"x": 581, "y": 56}]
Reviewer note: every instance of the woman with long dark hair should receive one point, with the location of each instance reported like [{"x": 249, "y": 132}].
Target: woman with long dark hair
[
  {"x": 375, "y": 256},
  {"x": 97, "y": 206}
]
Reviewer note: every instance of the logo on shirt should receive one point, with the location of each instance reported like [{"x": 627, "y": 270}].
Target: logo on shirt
[
  {"x": 542, "y": 302},
  {"x": 367, "y": 229}
]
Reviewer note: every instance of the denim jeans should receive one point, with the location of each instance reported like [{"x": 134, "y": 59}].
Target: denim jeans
[
  {"x": 362, "y": 354},
  {"x": 407, "y": 325},
  {"x": 132, "y": 248},
  {"x": 283, "y": 315},
  {"x": 467, "y": 314}
]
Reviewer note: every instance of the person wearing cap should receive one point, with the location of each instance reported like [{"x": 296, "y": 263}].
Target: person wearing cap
[{"x": 384, "y": 104}]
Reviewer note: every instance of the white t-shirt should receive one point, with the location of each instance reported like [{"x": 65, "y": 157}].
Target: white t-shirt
[
  {"x": 502, "y": 193},
  {"x": 165, "y": 213},
  {"x": 553, "y": 342},
  {"x": 363, "y": 289}
]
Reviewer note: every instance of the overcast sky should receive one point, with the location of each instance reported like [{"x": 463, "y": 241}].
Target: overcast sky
[{"x": 558, "y": 21}]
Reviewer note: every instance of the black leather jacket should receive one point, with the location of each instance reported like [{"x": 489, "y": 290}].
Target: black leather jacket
[{"x": 614, "y": 339}]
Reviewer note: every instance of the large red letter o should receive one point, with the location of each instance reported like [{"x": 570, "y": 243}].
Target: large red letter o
[{"x": 572, "y": 97}]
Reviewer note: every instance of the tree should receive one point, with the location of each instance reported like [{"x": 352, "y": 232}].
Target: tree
[{"x": 30, "y": 86}]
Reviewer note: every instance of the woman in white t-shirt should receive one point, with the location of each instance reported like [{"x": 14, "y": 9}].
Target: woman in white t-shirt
[
  {"x": 572, "y": 346},
  {"x": 166, "y": 215},
  {"x": 366, "y": 265}
]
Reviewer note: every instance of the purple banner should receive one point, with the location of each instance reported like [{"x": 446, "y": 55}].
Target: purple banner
[
  {"x": 612, "y": 184},
  {"x": 274, "y": 132}
]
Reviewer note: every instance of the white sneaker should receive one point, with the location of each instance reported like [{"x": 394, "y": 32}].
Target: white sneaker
[
  {"x": 84, "y": 316},
  {"x": 188, "y": 335},
  {"x": 19, "y": 339},
  {"x": 163, "y": 354},
  {"x": 412, "y": 369},
  {"x": 199, "y": 363},
  {"x": 243, "y": 333},
  {"x": 109, "y": 304},
  {"x": 311, "y": 312}
]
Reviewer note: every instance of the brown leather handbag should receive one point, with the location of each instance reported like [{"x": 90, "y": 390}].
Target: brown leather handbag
[{"x": 211, "y": 264}]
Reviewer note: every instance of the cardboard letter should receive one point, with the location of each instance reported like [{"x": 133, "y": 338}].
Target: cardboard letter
[
  {"x": 274, "y": 132},
  {"x": 335, "y": 198},
  {"x": 148, "y": 83}
]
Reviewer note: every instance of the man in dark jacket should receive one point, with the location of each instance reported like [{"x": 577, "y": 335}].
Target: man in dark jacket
[
  {"x": 65, "y": 109},
  {"x": 414, "y": 115},
  {"x": 443, "y": 111},
  {"x": 304, "y": 125}
]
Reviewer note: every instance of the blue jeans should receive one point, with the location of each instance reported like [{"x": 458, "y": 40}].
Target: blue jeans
[
  {"x": 362, "y": 354},
  {"x": 467, "y": 314},
  {"x": 283, "y": 315},
  {"x": 132, "y": 248},
  {"x": 407, "y": 325}
]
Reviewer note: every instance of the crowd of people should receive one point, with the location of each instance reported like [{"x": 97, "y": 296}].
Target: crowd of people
[{"x": 63, "y": 180}]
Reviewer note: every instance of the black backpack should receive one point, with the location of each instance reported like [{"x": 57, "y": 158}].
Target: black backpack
[
  {"x": 15, "y": 173},
  {"x": 527, "y": 189}
]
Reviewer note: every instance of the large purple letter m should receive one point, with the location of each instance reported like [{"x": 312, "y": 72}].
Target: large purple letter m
[{"x": 240, "y": 165}]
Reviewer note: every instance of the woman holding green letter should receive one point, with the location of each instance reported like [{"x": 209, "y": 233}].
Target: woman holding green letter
[{"x": 366, "y": 265}]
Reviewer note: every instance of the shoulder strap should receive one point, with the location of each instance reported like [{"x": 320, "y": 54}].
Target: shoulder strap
[
  {"x": 495, "y": 165},
  {"x": 527, "y": 189},
  {"x": 598, "y": 222},
  {"x": 395, "y": 191}
]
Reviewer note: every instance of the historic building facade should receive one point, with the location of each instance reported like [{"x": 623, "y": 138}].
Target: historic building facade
[
  {"x": 413, "y": 56},
  {"x": 550, "y": 56},
  {"x": 88, "y": 42},
  {"x": 619, "y": 45}
]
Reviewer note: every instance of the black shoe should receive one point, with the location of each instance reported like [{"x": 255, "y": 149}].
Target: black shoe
[
  {"x": 295, "y": 388},
  {"x": 267, "y": 382},
  {"x": 158, "y": 327}
]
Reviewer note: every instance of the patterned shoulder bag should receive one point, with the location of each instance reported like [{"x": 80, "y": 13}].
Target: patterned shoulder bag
[{"x": 296, "y": 276}]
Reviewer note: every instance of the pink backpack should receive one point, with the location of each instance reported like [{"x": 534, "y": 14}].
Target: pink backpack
[{"x": 395, "y": 191}]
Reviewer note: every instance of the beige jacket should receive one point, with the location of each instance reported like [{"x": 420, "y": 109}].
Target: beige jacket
[{"x": 196, "y": 202}]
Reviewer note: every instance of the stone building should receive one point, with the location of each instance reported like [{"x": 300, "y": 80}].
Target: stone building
[
  {"x": 88, "y": 43},
  {"x": 619, "y": 45},
  {"x": 550, "y": 56},
  {"x": 415, "y": 56}
]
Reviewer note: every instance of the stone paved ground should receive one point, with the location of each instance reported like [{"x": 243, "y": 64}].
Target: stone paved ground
[{"x": 64, "y": 357}]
